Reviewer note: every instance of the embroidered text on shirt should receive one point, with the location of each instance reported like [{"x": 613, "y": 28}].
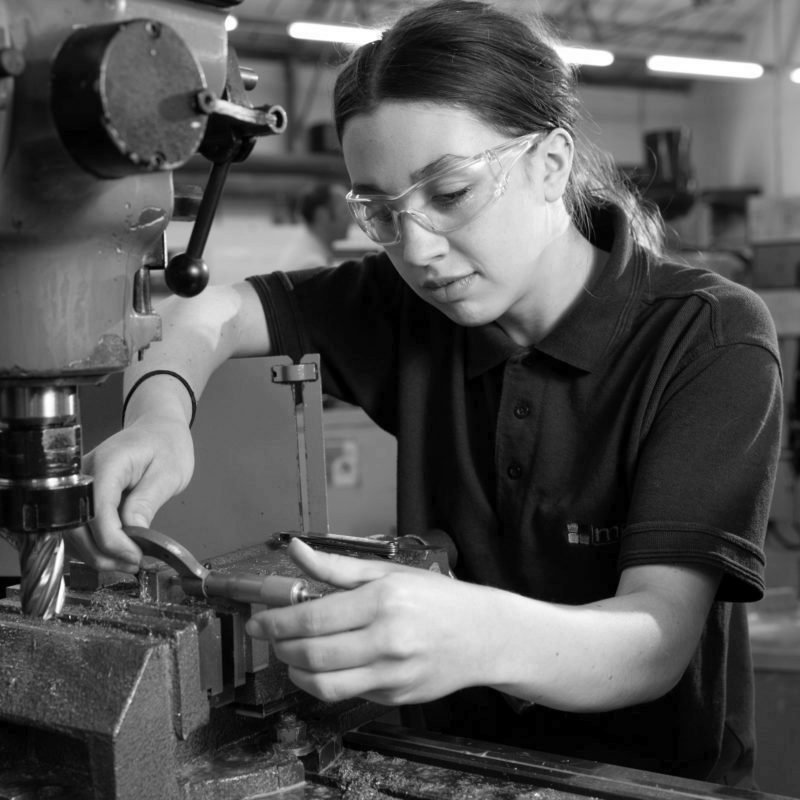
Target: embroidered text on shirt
[{"x": 584, "y": 533}]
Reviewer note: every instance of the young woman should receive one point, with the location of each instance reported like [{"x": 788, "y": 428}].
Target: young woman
[{"x": 596, "y": 428}]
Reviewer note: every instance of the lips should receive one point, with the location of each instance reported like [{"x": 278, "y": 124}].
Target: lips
[
  {"x": 448, "y": 290},
  {"x": 442, "y": 283}
]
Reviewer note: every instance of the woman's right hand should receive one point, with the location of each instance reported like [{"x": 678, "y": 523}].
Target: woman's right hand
[{"x": 135, "y": 472}]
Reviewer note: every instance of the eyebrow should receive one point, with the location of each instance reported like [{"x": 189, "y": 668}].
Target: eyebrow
[{"x": 443, "y": 162}]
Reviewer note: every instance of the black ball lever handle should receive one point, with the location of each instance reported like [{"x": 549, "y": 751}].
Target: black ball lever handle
[{"x": 186, "y": 274}]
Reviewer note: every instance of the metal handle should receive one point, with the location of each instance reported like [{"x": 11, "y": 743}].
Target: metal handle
[{"x": 340, "y": 543}]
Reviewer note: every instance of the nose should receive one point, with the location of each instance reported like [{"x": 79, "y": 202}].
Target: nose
[{"x": 420, "y": 244}]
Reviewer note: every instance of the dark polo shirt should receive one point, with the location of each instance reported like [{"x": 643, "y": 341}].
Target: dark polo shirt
[{"x": 643, "y": 429}]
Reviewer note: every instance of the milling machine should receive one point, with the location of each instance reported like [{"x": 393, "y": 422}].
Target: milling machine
[
  {"x": 99, "y": 103},
  {"x": 115, "y": 688}
]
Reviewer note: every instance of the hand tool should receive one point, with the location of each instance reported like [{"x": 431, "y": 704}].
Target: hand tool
[
  {"x": 340, "y": 543},
  {"x": 197, "y": 580},
  {"x": 388, "y": 547}
]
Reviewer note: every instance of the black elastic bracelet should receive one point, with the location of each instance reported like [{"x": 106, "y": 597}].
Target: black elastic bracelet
[{"x": 160, "y": 372}]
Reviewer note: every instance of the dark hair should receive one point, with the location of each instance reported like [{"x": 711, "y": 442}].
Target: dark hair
[
  {"x": 471, "y": 55},
  {"x": 311, "y": 199}
]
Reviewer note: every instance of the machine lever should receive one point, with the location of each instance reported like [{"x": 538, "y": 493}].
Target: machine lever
[
  {"x": 230, "y": 136},
  {"x": 186, "y": 274},
  {"x": 197, "y": 580}
]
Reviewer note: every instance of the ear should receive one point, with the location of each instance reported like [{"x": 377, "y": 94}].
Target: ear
[{"x": 557, "y": 150}]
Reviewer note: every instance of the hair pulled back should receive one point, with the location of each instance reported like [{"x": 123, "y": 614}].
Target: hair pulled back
[{"x": 470, "y": 55}]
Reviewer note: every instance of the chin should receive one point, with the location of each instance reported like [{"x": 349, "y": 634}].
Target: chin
[{"x": 467, "y": 318}]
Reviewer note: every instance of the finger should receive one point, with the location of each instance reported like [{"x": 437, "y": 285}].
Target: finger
[
  {"x": 333, "y": 687},
  {"x": 333, "y": 613},
  {"x": 81, "y": 543},
  {"x": 328, "y": 653},
  {"x": 107, "y": 537},
  {"x": 106, "y": 534},
  {"x": 344, "y": 572},
  {"x": 143, "y": 501}
]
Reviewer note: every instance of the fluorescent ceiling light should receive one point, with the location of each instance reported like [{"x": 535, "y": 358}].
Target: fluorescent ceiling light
[
  {"x": 794, "y": 75},
  {"x": 350, "y": 34},
  {"x": 585, "y": 56},
  {"x": 345, "y": 34},
  {"x": 708, "y": 67}
]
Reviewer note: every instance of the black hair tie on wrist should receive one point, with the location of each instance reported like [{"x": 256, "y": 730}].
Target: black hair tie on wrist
[{"x": 160, "y": 372}]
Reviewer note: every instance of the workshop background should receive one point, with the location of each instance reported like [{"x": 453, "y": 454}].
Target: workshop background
[{"x": 720, "y": 155}]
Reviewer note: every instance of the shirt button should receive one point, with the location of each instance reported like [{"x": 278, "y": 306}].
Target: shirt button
[
  {"x": 522, "y": 410},
  {"x": 528, "y": 360},
  {"x": 514, "y": 471}
]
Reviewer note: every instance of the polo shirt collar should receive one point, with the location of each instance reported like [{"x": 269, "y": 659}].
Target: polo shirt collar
[{"x": 589, "y": 327}]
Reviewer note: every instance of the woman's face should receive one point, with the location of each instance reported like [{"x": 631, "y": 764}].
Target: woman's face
[{"x": 492, "y": 268}]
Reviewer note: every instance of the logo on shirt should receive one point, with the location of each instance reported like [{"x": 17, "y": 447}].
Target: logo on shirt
[{"x": 584, "y": 533}]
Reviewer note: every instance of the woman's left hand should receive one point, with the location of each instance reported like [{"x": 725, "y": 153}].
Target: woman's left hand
[{"x": 396, "y": 635}]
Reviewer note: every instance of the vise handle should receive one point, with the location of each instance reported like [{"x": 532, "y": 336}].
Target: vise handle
[{"x": 198, "y": 580}]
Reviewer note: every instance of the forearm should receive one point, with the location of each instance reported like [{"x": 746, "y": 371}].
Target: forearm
[
  {"x": 198, "y": 336},
  {"x": 576, "y": 658},
  {"x": 627, "y": 649}
]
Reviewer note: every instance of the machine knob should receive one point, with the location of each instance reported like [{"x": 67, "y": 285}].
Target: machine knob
[{"x": 186, "y": 275}]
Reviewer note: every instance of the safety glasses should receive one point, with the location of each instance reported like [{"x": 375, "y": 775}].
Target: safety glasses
[{"x": 445, "y": 201}]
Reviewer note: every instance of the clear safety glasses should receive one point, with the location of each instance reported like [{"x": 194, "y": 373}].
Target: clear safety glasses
[{"x": 444, "y": 201}]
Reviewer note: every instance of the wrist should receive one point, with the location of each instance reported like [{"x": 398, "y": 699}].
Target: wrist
[{"x": 163, "y": 390}]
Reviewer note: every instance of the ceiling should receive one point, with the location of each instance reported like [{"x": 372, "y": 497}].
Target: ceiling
[{"x": 632, "y": 29}]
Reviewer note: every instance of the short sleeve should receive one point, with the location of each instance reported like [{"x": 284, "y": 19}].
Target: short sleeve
[
  {"x": 350, "y": 315},
  {"x": 707, "y": 469}
]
